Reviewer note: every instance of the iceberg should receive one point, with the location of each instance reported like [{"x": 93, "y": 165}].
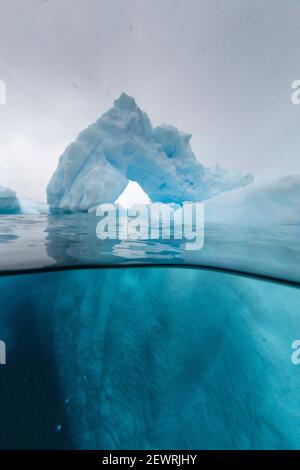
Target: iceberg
[
  {"x": 272, "y": 203},
  {"x": 11, "y": 204},
  {"x": 123, "y": 145}
]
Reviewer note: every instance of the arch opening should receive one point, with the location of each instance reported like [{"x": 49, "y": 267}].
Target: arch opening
[{"x": 132, "y": 194}]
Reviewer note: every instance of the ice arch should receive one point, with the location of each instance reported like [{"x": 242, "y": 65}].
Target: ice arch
[{"x": 121, "y": 146}]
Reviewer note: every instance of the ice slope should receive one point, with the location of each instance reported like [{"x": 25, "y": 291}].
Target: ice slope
[
  {"x": 11, "y": 204},
  {"x": 122, "y": 145},
  {"x": 276, "y": 202},
  {"x": 31, "y": 207}
]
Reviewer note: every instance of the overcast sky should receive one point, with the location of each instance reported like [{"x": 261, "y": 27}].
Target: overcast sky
[{"x": 219, "y": 69}]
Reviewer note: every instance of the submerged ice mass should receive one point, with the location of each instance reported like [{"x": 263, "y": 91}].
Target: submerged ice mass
[
  {"x": 123, "y": 145},
  {"x": 121, "y": 367},
  {"x": 194, "y": 367}
]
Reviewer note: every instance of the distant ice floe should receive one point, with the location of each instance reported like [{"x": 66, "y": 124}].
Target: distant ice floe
[{"x": 11, "y": 204}]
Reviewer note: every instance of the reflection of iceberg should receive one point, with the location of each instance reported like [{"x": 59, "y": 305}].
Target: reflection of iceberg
[
  {"x": 122, "y": 145},
  {"x": 72, "y": 241}
]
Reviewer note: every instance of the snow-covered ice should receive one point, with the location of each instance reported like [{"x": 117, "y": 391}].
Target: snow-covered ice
[
  {"x": 275, "y": 202},
  {"x": 123, "y": 145}
]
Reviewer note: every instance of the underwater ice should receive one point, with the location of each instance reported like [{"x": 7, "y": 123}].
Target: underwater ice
[
  {"x": 197, "y": 366},
  {"x": 123, "y": 145}
]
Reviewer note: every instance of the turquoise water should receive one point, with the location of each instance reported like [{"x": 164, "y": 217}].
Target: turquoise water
[
  {"x": 168, "y": 356},
  {"x": 146, "y": 358}
]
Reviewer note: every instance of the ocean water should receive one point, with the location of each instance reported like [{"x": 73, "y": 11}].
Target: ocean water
[{"x": 139, "y": 345}]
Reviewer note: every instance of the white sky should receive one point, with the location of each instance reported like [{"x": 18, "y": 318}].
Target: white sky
[
  {"x": 219, "y": 69},
  {"x": 132, "y": 194}
]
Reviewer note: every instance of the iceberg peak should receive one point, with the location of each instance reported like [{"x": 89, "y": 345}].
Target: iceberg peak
[{"x": 125, "y": 102}]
